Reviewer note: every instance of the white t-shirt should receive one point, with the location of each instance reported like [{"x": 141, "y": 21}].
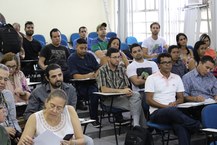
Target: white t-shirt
[
  {"x": 135, "y": 68},
  {"x": 154, "y": 46},
  {"x": 164, "y": 89}
]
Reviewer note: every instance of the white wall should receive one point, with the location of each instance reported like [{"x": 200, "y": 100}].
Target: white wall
[{"x": 66, "y": 15}]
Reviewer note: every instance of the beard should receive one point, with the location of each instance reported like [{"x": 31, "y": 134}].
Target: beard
[
  {"x": 29, "y": 33},
  {"x": 56, "y": 85}
]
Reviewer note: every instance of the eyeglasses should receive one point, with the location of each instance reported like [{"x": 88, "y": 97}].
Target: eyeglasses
[
  {"x": 166, "y": 62},
  {"x": 58, "y": 108},
  {"x": 12, "y": 67},
  {"x": 116, "y": 57},
  {"x": 3, "y": 78}
]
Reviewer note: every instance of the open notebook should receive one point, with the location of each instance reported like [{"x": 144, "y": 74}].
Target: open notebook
[{"x": 193, "y": 104}]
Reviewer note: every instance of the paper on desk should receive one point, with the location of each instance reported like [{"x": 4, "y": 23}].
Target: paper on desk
[
  {"x": 47, "y": 138},
  {"x": 210, "y": 129},
  {"x": 209, "y": 101},
  {"x": 190, "y": 104}
]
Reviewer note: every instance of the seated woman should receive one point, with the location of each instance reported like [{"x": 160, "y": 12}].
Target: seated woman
[
  {"x": 186, "y": 53},
  {"x": 4, "y": 137},
  {"x": 17, "y": 81},
  {"x": 115, "y": 42},
  {"x": 199, "y": 51},
  {"x": 57, "y": 117}
]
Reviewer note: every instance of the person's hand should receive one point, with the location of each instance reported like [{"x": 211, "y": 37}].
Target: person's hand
[
  {"x": 199, "y": 99},
  {"x": 172, "y": 104},
  {"x": 11, "y": 131},
  {"x": 26, "y": 140},
  {"x": 215, "y": 98},
  {"x": 19, "y": 91},
  {"x": 91, "y": 75},
  {"x": 127, "y": 91},
  {"x": 65, "y": 142}
]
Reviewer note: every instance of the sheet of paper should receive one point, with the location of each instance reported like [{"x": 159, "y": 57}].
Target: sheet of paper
[
  {"x": 210, "y": 129},
  {"x": 190, "y": 104},
  {"x": 47, "y": 138},
  {"x": 209, "y": 101}
]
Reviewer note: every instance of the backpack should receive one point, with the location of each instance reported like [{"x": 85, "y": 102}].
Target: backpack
[
  {"x": 138, "y": 136},
  {"x": 10, "y": 40}
]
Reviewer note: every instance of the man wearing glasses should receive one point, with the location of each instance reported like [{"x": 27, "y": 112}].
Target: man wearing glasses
[
  {"x": 10, "y": 124},
  {"x": 164, "y": 91}
]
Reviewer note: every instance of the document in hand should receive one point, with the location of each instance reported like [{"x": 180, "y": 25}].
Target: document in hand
[{"x": 47, "y": 138}]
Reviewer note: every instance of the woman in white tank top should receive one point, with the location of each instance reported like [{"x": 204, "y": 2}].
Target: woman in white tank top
[{"x": 56, "y": 117}]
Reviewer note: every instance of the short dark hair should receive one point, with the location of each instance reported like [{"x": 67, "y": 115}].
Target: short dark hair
[
  {"x": 28, "y": 23},
  {"x": 54, "y": 30},
  {"x": 111, "y": 40},
  {"x": 154, "y": 23},
  {"x": 171, "y": 47},
  {"x": 162, "y": 55},
  {"x": 81, "y": 41},
  {"x": 134, "y": 45},
  {"x": 82, "y": 27},
  {"x": 51, "y": 67},
  {"x": 206, "y": 58},
  {"x": 111, "y": 50}
]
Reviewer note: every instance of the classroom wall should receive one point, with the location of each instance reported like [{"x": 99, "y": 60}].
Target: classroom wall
[{"x": 66, "y": 15}]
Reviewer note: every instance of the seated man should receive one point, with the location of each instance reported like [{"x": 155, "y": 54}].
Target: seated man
[
  {"x": 54, "y": 77},
  {"x": 138, "y": 71},
  {"x": 178, "y": 67},
  {"x": 200, "y": 84},
  {"x": 10, "y": 124},
  {"x": 112, "y": 79},
  {"x": 164, "y": 90},
  {"x": 85, "y": 67}
]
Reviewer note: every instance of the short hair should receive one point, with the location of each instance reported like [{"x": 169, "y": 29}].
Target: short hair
[
  {"x": 54, "y": 30},
  {"x": 111, "y": 50},
  {"x": 111, "y": 40},
  {"x": 171, "y": 47},
  {"x": 58, "y": 93},
  {"x": 134, "y": 45},
  {"x": 81, "y": 41},
  {"x": 162, "y": 55},
  {"x": 28, "y": 23},
  {"x": 82, "y": 27},
  {"x": 2, "y": 19},
  {"x": 204, "y": 36},
  {"x": 51, "y": 67},
  {"x": 155, "y": 23},
  {"x": 9, "y": 57},
  {"x": 4, "y": 67},
  {"x": 206, "y": 58}
]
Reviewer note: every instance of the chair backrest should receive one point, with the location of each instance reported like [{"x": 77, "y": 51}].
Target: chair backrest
[
  {"x": 64, "y": 43},
  {"x": 92, "y": 35},
  {"x": 73, "y": 37},
  {"x": 111, "y": 34},
  {"x": 208, "y": 117},
  {"x": 124, "y": 46},
  {"x": 130, "y": 40},
  {"x": 63, "y": 37},
  {"x": 39, "y": 37}
]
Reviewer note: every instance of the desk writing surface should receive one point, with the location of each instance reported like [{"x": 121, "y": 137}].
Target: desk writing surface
[
  {"x": 108, "y": 94},
  {"x": 33, "y": 83},
  {"x": 210, "y": 129},
  {"x": 194, "y": 104},
  {"x": 86, "y": 79}
]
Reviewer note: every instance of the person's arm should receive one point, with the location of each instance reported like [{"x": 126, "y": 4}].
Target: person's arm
[
  {"x": 79, "y": 137},
  {"x": 100, "y": 54},
  {"x": 124, "y": 59},
  {"x": 22, "y": 53},
  {"x": 150, "y": 101},
  {"x": 191, "y": 64},
  {"x": 84, "y": 76},
  {"x": 29, "y": 131},
  {"x": 146, "y": 55},
  {"x": 41, "y": 62},
  {"x": 194, "y": 98},
  {"x": 137, "y": 80},
  {"x": 71, "y": 92},
  {"x": 126, "y": 90},
  {"x": 179, "y": 100}
]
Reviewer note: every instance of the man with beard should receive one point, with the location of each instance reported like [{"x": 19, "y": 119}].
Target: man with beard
[
  {"x": 85, "y": 67},
  {"x": 54, "y": 77},
  {"x": 154, "y": 45},
  {"x": 31, "y": 46},
  {"x": 55, "y": 53},
  {"x": 138, "y": 71},
  {"x": 112, "y": 79}
]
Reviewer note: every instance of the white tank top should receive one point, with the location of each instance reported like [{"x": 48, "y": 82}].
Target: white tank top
[{"x": 63, "y": 128}]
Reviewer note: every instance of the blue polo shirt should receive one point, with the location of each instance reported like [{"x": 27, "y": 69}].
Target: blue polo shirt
[{"x": 78, "y": 65}]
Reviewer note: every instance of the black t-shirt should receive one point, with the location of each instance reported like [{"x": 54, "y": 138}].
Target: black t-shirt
[
  {"x": 32, "y": 49},
  {"x": 58, "y": 55}
]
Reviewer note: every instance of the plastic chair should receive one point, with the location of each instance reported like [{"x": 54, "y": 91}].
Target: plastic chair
[
  {"x": 40, "y": 38},
  {"x": 63, "y": 37},
  {"x": 111, "y": 34},
  {"x": 130, "y": 40},
  {"x": 164, "y": 129},
  {"x": 209, "y": 120},
  {"x": 73, "y": 37},
  {"x": 92, "y": 35},
  {"x": 64, "y": 43}
]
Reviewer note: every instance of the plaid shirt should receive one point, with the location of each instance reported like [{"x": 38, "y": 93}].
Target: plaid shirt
[{"x": 112, "y": 79}]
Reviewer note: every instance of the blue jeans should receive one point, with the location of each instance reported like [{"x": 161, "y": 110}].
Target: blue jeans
[{"x": 183, "y": 125}]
